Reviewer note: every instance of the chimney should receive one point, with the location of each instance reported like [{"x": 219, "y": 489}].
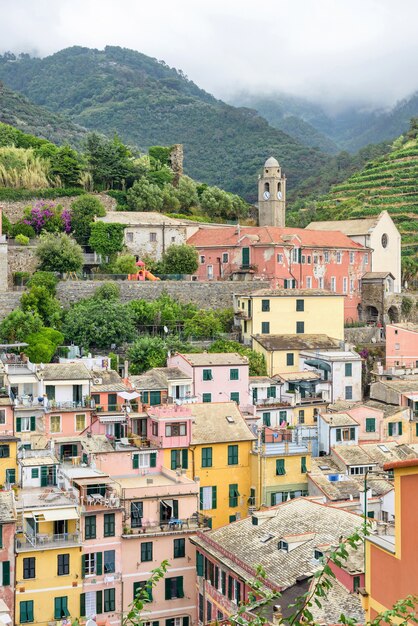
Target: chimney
[
  {"x": 277, "y": 614},
  {"x": 125, "y": 368}
]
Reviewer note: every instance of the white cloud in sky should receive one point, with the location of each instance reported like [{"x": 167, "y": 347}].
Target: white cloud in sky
[{"x": 332, "y": 50}]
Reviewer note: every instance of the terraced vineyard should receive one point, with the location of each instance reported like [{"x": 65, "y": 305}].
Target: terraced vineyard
[{"x": 391, "y": 183}]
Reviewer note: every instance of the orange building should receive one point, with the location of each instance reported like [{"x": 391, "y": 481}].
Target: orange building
[{"x": 391, "y": 563}]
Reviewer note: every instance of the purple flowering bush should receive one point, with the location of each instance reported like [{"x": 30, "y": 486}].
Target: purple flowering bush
[{"x": 48, "y": 217}]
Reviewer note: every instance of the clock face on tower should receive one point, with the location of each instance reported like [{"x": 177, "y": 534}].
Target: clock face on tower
[
  {"x": 279, "y": 195},
  {"x": 266, "y": 195}
]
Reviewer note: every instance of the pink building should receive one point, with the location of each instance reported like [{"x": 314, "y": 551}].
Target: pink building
[
  {"x": 101, "y": 562},
  {"x": 370, "y": 421},
  {"x": 170, "y": 426},
  {"x": 402, "y": 345},
  {"x": 6, "y": 415},
  {"x": 288, "y": 257},
  {"x": 7, "y": 550},
  {"x": 215, "y": 377},
  {"x": 160, "y": 513}
]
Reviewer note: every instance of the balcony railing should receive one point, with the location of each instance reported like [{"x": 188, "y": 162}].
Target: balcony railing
[
  {"x": 40, "y": 541},
  {"x": 270, "y": 402},
  {"x": 154, "y": 526},
  {"x": 182, "y": 400}
]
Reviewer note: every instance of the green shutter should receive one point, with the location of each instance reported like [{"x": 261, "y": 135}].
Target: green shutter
[
  {"x": 352, "y": 433},
  {"x": 390, "y": 425},
  {"x": 303, "y": 465},
  {"x": 280, "y": 468},
  {"x": 214, "y": 497},
  {"x": 82, "y": 605},
  {"x": 32, "y": 423},
  {"x": 175, "y": 509},
  {"x": 199, "y": 563},
  {"x": 238, "y": 592},
  {"x": 223, "y": 583},
  {"x": 173, "y": 459},
  {"x": 168, "y": 588},
  {"x": 185, "y": 458},
  {"x": 44, "y": 476},
  {"x": 180, "y": 590},
  {"x": 399, "y": 428},
  {"x": 99, "y": 563},
  {"x": 83, "y": 568},
  {"x": 135, "y": 461},
  {"x": 29, "y": 610},
  {"x": 201, "y": 498},
  {"x": 230, "y": 582},
  {"x": 6, "y": 573},
  {"x": 99, "y": 602},
  {"x": 18, "y": 424},
  {"x": 57, "y": 608},
  {"x": 153, "y": 459}
]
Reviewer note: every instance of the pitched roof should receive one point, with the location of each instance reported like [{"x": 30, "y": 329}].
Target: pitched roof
[
  {"x": 141, "y": 218},
  {"x": 109, "y": 381},
  {"x": 296, "y": 342},
  {"x": 314, "y": 524},
  {"x": 338, "y": 600},
  {"x": 65, "y": 371},
  {"x": 157, "y": 378},
  {"x": 270, "y": 235},
  {"x": 348, "y": 227},
  {"x": 290, "y": 293},
  {"x": 373, "y": 275},
  {"x": 200, "y": 359},
  {"x": 218, "y": 422},
  {"x": 338, "y": 419}
]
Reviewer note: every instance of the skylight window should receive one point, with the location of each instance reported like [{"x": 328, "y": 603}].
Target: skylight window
[
  {"x": 383, "y": 447},
  {"x": 266, "y": 538},
  {"x": 230, "y": 419},
  {"x": 324, "y": 467}
]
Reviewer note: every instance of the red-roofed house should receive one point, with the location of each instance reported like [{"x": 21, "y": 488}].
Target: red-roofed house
[{"x": 288, "y": 257}]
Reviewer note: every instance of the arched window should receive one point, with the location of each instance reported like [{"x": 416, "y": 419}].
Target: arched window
[
  {"x": 279, "y": 187},
  {"x": 266, "y": 186}
]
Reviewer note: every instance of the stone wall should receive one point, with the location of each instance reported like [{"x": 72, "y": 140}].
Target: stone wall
[
  {"x": 14, "y": 210},
  {"x": 362, "y": 334},
  {"x": 9, "y": 300},
  {"x": 210, "y": 295},
  {"x": 20, "y": 259}
]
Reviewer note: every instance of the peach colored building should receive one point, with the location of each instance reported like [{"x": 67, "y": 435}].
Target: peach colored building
[
  {"x": 402, "y": 345},
  {"x": 391, "y": 564},
  {"x": 6, "y": 415},
  {"x": 7, "y": 550},
  {"x": 160, "y": 513},
  {"x": 216, "y": 377},
  {"x": 101, "y": 562},
  {"x": 288, "y": 257}
]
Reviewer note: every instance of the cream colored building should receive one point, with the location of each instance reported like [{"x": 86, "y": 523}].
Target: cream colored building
[
  {"x": 290, "y": 311},
  {"x": 150, "y": 233},
  {"x": 378, "y": 233}
]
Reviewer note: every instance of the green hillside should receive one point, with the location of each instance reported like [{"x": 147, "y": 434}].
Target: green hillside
[
  {"x": 18, "y": 111},
  {"x": 387, "y": 183},
  {"x": 148, "y": 103}
]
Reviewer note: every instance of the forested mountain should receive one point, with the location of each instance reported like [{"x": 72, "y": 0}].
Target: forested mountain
[
  {"x": 389, "y": 182},
  {"x": 148, "y": 103},
  {"x": 349, "y": 129},
  {"x": 18, "y": 111}
]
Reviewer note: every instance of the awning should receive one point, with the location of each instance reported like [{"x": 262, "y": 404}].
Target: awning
[
  {"x": 167, "y": 503},
  {"x": 21, "y": 378},
  {"x": 99, "y": 480},
  {"x": 307, "y": 385},
  {"x": 322, "y": 365},
  {"x": 52, "y": 515},
  {"x": 129, "y": 395},
  {"x": 105, "y": 419}
]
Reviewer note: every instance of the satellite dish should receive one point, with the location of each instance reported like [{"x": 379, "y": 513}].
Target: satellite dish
[{"x": 165, "y": 329}]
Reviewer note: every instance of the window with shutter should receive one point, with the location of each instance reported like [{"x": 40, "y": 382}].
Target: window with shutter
[
  {"x": 109, "y": 600},
  {"x": 266, "y": 419},
  {"x": 234, "y": 374},
  {"x": 109, "y": 525},
  {"x": 109, "y": 561},
  {"x": 90, "y": 527},
  {"x": 5, "y": 573},
  {"x": 26, "y": 612},
  {"x": 206, "y": 397},
  {"x": 233, "y": 455},
  {"x": 280, "y": 468},
  {"x": 206, "y": 457},
  {"x": 29, "y": 567},
  {"x": 146, "y": 551},
  {"x": 370, "y": 425},
  {"x": 303, "y": 465},
  {"x": 233, "y": 495},
  {"x": 63, "y": 564},
  {"x": 61, "y": 607},
  {"x": 179, "y": 546},
  {"x": 199, "y": 563},
  {"x": 99, "y": 563},
  {"x": 234, "y": 396}
]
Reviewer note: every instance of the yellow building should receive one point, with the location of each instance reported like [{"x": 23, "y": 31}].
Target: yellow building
[
  {"x": 279, "y": 467},
  {"x": 219, "y": 456},
  {"x": 290, "y": 311},
  {"x": 8, "y": 460},
  {"x": 48, "y": 557},
  {"x": 281, "y": 352}
]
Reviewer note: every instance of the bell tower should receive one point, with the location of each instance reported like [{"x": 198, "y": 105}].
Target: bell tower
[{"x": 272, "y": 195}]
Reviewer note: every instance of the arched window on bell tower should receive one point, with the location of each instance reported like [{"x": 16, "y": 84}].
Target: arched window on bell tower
[
  {"x": 279, "y": 187},
  {"x": 267, "y": 187}
]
